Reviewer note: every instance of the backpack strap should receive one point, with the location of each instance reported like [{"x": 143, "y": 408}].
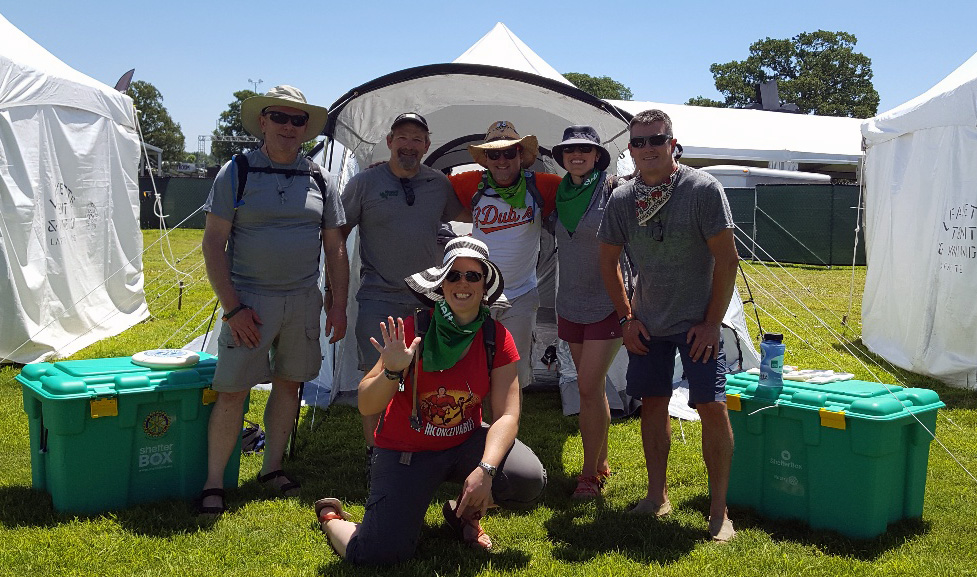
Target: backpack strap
[
  {"x": 488, "y": 336},
  {"x": 530, "y": 187},
  {"x": 241, "y": 168}
]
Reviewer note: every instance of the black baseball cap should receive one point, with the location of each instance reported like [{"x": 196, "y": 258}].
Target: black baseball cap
[{"x": 410, "y": 117}]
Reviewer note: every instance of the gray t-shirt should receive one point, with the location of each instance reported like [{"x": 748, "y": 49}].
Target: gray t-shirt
[
  {"x": 674, "y": 274},
  {"x": 276, "y": 239},
  {"x": 581, "y": 297},
  {"x": 397, "y": 240}
]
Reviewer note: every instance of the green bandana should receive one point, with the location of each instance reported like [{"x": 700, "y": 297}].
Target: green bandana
[
  {"x": 572, "y": 200},
  {"x": 515, "y": 195},
  {"x": 445, "y": 340}
]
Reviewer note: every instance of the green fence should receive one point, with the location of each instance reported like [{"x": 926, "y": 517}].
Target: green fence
[
  {"x": 181, "y": 197},
  {"x": 795, "y": 223}
]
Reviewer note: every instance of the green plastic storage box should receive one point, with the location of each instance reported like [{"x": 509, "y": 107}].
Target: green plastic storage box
[
  {"x": 849, "y": 456},
  {"x": 106, "y": 433}
]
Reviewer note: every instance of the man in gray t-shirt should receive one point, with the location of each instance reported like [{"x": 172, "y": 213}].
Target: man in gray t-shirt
[
  {"x": 261, "y": 247},
  {"x": 398, "y": 207},
  {"x": 677, "y": 225}
]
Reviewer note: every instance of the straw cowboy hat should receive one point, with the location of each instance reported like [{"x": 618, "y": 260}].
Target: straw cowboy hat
[
  {"x": 582, "y": 135},
  {"x": 426, "y": 285},
  {"x": 283, "y": 95},
  {"x": 502, "y": 134}
]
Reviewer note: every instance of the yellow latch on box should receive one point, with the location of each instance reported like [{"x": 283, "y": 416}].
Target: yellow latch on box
[
  {"x": 209, "y": 396},
  {"x": 733, "y": 403},
  {"x": 833, "y": 419},
  {"x": 105, "y": 408}
]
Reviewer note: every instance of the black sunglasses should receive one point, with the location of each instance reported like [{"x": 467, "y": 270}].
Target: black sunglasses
[
  {"x": 297, "y": 120},
  {"x": 408, "y": 191},
  {"x": 470, "y": 276},
  {"x": 657, "y": 229},
  {"x": 581, "y": 148},
  {"x": 508, "y": 153},
  {"x": 656, "y": 140}
]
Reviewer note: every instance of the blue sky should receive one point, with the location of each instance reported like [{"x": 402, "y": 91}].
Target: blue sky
[{"x": 198, "y": 53}]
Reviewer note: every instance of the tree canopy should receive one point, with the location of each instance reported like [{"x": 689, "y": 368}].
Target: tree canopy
[
  {"x": 229, "y": 125},
  {"x": 818, "y": 71},
  {"x": 158, "y": 128},
  {"x": 600, "y": 86}
]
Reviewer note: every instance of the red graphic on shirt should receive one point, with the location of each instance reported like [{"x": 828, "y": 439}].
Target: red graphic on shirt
[
  {"x": 447, "y": 410},
  {"x": 488, "y": 218}
]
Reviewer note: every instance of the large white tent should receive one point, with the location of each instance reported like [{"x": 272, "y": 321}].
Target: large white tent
[
  {"x": 921, "y": 231},
  {"x": 70, "y": 243}
]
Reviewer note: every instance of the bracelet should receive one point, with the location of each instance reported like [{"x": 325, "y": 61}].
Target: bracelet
[
  {"x": 623, "y": 320},
  {"x": 393, "y": 375},
  {"x": 234, "y": 311}
]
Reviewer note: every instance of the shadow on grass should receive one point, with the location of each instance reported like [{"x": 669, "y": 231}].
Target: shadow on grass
[
  {"x": 579, "y": 535},
  {"x": 827, "y": 541},
  {"x": 953, "y": 397}
]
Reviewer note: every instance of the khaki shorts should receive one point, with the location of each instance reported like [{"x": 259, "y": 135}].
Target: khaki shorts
[
  {"x": 520, "y": 320},
  {"x": 289, "y": 345}
]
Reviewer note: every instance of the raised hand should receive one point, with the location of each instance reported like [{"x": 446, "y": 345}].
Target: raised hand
[{"x": 394, "y": 352}]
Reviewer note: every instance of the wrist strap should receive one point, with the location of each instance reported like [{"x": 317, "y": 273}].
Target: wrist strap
[
  {"x": 393, "y": 375},
  {"x": 234, "y": 311},
  {"x": 623, "y": 320}
]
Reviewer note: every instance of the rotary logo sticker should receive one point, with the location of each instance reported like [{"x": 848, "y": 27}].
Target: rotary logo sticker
[{"x": 156, "y": 424}]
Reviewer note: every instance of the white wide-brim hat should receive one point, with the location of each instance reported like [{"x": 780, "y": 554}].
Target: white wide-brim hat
[
  {"x": 283, "y": 95},
  {"x": 426, "y": 285}
]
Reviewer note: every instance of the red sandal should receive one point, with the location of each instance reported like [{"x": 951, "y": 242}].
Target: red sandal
[
  {"x": 324, "y": 514},
  {"x": 466, "y": 527},
  {"x": 587, "y": 488}
]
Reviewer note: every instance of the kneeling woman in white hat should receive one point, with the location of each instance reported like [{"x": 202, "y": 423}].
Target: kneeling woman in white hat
[{"x": 433, "y": 432}]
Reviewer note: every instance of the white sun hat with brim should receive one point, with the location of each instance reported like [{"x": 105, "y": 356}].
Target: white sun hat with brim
[
  {"x": 426, "y": 285},
  {"x": 283, "y": 95}
]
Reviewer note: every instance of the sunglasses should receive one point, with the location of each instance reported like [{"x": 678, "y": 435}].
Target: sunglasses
[
  {"x": 657, "y": 229},
  {"x": 581, "y": 148},
  {"x": 408, "y": 191},
  {"x": 508, "y": 153},
  {"x": 297, "y": 120},
  {"x": 656, "y": 140},
  {"x": 470, "y": 276}
]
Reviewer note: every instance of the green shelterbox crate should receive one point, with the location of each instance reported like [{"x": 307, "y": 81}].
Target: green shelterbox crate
[
  {"x": 106, "y": 433},
  {"x": 849, "y": 456}
]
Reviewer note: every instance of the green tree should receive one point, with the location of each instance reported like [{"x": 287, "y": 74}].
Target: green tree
[
  {"x": 819, "y": 71},
  {"x": 229, "y": 125},
  {"x": 158, "y": 128},
  {"x": 600, "y": 86},
  {"x": 703, "y": 101}
]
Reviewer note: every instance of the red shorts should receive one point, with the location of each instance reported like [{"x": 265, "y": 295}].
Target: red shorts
[{"x": 603, "y": 330}]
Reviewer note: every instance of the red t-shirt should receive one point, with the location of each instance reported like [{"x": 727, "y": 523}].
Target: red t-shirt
[{"x": 449, "y": 401}]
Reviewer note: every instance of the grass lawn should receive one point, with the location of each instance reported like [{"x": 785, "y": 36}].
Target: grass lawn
[{"x": 259, "y": 536}]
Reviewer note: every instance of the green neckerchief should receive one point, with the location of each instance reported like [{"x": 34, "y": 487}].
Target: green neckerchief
[
  {"x": 515, "y": 195},
  {"x": 572, "y": 200},
  {"x": 445, "y": 340}
]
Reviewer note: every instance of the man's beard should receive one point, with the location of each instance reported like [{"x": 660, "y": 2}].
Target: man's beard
[{"x": 408, "y": 161}]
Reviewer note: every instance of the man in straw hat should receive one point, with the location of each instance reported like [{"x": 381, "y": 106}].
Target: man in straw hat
[
  {"x": 677, "y": 225},
  {"x": 398, "y": 206},
  {"x": 261, "y": 246},
  {"x": 508, "y": 204}
]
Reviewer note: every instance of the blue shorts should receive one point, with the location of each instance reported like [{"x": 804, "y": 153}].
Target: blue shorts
[{"x": 650, "y": 375}]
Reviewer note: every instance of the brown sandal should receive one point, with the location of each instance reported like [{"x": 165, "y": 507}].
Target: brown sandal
[{"x": 480, "y": 539}]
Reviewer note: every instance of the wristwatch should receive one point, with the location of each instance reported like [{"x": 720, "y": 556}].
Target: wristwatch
[{"x": 488, "y": 468}]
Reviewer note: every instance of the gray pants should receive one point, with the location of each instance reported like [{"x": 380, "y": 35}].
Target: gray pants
[{"x": 401, "y": 493}]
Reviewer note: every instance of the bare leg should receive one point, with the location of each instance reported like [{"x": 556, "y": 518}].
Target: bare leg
[
  {"x": 717, "y": 452},
  {"x": 593, "y": 359},
  {"x": 283, "y": 403},
  {"x": 223, "y": 431},
  {"x": 656, "y": 438}
]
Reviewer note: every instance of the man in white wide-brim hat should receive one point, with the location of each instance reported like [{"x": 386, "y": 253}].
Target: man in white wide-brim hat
[
  {"x": 508, "y": 204},
  {"x": 269, "y": 214}
]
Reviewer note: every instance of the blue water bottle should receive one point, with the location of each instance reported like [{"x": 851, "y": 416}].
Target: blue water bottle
[{"x": 772, "y": 351}]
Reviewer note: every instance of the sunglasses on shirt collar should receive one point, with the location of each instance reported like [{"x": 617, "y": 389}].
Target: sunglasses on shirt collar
[
  {"x": 297, "y": 120},
  {"x": 656, "y": 140},
  {"x": 508, "y": 153}
]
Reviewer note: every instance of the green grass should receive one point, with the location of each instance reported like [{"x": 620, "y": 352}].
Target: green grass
[{"x": 279, "y": 537}]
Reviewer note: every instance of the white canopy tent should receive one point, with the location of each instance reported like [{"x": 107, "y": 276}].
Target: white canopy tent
[
  {"x": 497, "y": 79},
  {"x": 70, "y": 243},
  {"x": 921, "y": 231}
]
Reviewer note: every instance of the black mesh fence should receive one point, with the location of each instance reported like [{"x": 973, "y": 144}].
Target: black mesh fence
[
  {"x": 181, "y": 196},
  {"x": 797, "y": 223}
]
